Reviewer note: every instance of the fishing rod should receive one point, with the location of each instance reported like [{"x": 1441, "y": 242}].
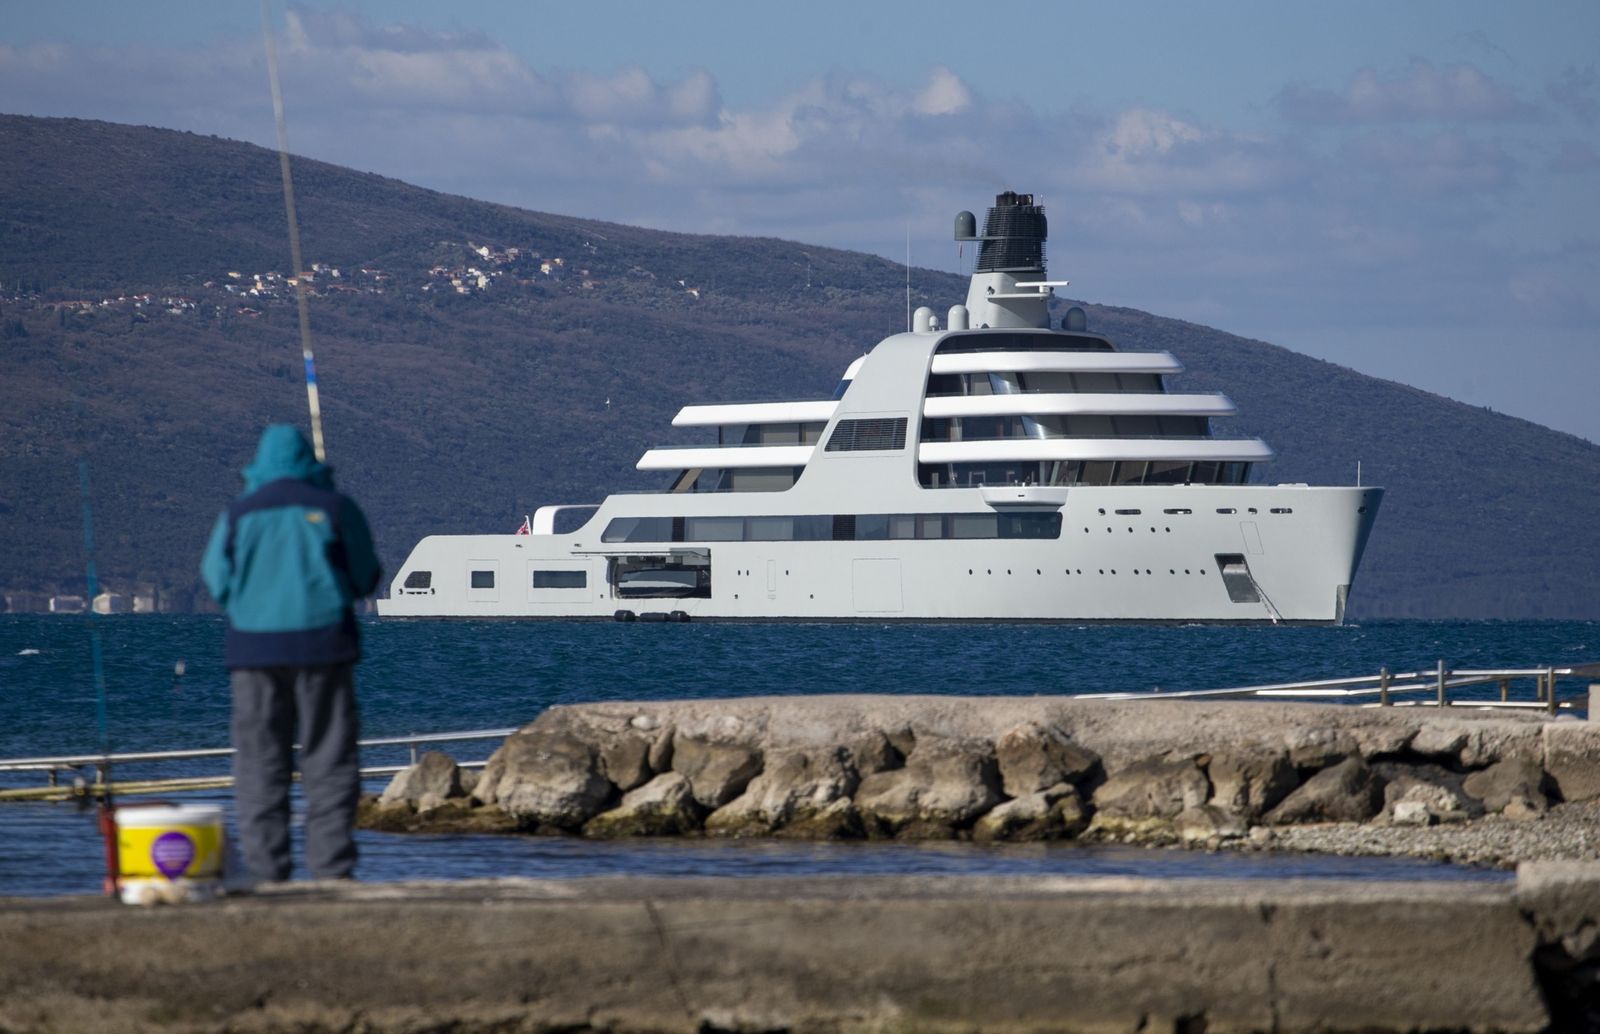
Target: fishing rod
[
  {"x": 312, "y": 400},
  {"x": 107, "y": 816}
]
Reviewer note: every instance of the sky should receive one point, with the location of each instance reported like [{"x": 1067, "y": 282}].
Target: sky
[{"x": 1408, "y": 189}]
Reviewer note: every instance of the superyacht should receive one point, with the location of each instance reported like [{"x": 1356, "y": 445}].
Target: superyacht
[{"x": 987, "y": 466}]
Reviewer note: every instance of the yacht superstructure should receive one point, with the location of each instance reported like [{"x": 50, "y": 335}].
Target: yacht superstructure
[{"x": 990, "y": 468}]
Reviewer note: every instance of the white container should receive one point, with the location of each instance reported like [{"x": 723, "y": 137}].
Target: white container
[{"x": 169, "y": 852}]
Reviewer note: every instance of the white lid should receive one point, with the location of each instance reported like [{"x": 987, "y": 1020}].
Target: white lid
[{"x": 145, "y": 816}]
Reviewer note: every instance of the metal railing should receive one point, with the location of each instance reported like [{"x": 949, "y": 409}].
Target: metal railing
[
  {"x": 54, "y": 766},
  {"x": 1438, "y": 683}
]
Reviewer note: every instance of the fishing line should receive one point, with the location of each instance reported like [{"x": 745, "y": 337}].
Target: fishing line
[
  {"x": 294, "y": 235},
  {"x": 107, "y": 818},
  {"x": 96, "y": 651}
]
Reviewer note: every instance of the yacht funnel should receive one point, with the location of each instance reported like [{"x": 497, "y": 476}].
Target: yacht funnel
[
  {"x": 1008, "y": 286},
  {"x": 1013, "y": 236}
]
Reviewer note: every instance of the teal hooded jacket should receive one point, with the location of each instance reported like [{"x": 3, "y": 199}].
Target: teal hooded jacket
[{"x": 287, "y": 560}]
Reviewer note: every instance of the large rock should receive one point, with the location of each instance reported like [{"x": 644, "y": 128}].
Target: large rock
[
  {"x": 662, "y": 807},
  {"x": 434, "y": 773},
  {"x": 1155, "y": 788},
  {"x": 794, "y": 788},
  {"x": 1055, "y": 813},
  {"x": 1572, "y": 759},
  {"x": 549, "y": 779},
  {"x": 1437, "y": 790},
  {"x": 873, "y": 752},
  {"x": 1208, "y": 824},
  {"x": 1475, "y": 742},
  {"x": 717, "y": 772},
  {"x": 1248, "y": 783},
  {"x": 625, "y": 760},
  {"x": 484, "y": 789},
  {"x": 1346, "y": 792},
  {"x": 1512, "y": 780},
  {"x": 944, "y": 786},
  {"x": 1034, "y": 757},
  {"x": 1318, "y": 745}
]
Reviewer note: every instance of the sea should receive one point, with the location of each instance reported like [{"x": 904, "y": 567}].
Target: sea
[{"x": 162, "y": 686}]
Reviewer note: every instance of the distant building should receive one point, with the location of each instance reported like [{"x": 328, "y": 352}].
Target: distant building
[
  {"x": 67, "y": 605},
  {"x": 111, "y": 603},
  {"x": 27, "y": 602}
]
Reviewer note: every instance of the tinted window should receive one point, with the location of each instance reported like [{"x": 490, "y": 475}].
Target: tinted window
[
  {"x": 560, "y": 579},
  {"x": 638, "y": 529},
  {"x": 483, "y": 579},
  {"x": 868, "y": 435},
  {"x": 419, "y": 580}
]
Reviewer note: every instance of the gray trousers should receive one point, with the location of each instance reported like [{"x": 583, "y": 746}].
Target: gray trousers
[{"x": 271, "y": 706}]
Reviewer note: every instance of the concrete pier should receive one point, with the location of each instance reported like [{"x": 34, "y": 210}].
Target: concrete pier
[{"x": 838, "y": 955}]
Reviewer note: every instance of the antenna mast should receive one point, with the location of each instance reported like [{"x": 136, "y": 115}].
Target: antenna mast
[{"x": 908, "y": 276}]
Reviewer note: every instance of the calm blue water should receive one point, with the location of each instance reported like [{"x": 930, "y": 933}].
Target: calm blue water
[{"x": 432, "y": 676}]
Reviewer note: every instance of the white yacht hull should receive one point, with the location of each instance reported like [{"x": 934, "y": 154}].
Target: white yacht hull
[{"x": 1301, "y": 546}]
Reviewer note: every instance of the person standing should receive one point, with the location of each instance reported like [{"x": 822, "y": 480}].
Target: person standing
[{"x": 287, "y": 560}]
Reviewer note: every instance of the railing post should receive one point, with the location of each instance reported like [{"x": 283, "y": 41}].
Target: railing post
[
  {"x": 1550, "y": 681},
  {"x": 1383, "y": 686},
  {"x": 1594, "y": 701},
  {"x": 1444, "y": 695},
  {"x": 1505, "y": 690}
]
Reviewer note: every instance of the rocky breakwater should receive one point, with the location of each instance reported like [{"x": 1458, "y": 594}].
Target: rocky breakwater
[{"x": 1004, "y": 768}]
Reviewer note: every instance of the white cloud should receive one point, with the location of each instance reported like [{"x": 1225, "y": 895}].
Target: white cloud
[
  {"x": 945, "y": 94},
  {"x": 1440, "y": 161},
  {"x": 1424, "y": 92}
]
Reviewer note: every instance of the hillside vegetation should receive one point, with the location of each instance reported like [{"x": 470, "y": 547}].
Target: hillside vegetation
[{"x": 125, "y": 341}]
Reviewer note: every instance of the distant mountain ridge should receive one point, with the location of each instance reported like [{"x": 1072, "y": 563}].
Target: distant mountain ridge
[{"x": 464, "y": 384}]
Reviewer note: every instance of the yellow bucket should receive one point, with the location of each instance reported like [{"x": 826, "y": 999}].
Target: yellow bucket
[{"x": 169, "y": 852}]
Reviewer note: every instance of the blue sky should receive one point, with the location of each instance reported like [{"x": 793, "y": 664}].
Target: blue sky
[{"x": 1408, "y": 189}]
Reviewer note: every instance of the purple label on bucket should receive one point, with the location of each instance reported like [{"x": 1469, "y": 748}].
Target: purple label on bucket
[{"x": 172, "y": 852}]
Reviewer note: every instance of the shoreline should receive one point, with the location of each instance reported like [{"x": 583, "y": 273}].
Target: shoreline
[{"x": 1567, "y": 832}]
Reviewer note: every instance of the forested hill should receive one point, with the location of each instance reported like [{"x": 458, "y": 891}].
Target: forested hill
[{"x": 478, "y": 360}]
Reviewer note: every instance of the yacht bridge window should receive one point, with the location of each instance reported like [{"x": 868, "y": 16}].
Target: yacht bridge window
[
  {"x": 804, "y": 433},
  {"x": 999, "y": 428},
  {"x": 1068, "y": 472},
  {"x": 737, "y": 479},
  {"x": 835, "y": 527},
  {"x": 959, "y": 342},
  {"x": 1049, "y": 383}
]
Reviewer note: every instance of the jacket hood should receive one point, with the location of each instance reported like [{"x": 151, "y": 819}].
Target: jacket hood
[{"x": 285, "y": 453}]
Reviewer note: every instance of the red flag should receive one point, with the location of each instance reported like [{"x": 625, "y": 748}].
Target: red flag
[{"x": 527, "y": 526}]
